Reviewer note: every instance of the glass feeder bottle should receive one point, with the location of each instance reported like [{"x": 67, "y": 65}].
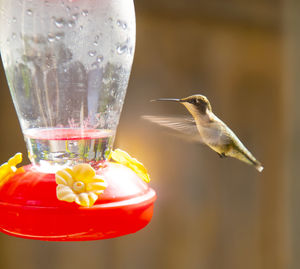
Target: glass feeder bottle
[{"x": 67, "y": 63}]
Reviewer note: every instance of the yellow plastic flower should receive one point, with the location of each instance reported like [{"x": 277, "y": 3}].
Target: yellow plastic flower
[
  {"x": 122, "y": 157},
  {"x": 9, "y": 168},
  {"x": 80, "y": 185}
]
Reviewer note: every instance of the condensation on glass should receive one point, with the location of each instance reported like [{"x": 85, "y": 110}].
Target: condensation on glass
[{"x": 67, "y": 63}]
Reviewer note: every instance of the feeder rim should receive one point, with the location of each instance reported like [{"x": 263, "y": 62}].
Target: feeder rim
[{"x": 148, "y": 197}]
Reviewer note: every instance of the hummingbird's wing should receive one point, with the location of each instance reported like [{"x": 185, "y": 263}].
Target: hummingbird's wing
[{"x": 184, "y": 127}]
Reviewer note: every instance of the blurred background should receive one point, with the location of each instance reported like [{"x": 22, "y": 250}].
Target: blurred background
[{"x": 211, "y": 213}]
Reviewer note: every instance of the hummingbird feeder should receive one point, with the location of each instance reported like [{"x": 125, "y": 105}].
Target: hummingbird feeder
[{"x": 68, "y": 63}]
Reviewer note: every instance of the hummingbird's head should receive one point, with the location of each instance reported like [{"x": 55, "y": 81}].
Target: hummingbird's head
[{"x": 196, "y": 104}]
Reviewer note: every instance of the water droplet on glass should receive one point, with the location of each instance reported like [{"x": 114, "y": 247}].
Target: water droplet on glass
[
  {"x": 122, "y": 24},
  {"x": 51, "y": 37},
  {"x": 60, "y": 35},
  {"x": 96, "y": 40},
  {"x": 110, "y": 20},
  {"x": 13, "y": 36},
  {"x": 59, "y": 23},
  {"x": 71, "y": 23},
  {"x": 99, "y": 58},
  {"x": 29, "y": 12},
  {"x": 75, "y": 16},
  {"x": 95, "y": 65},
  {"x": 122, "y": 48},
  {"x": 14, "y": 19},
  {"x": 85, "y": 12},
  {"x": 92, "y": 53},
  {"x": 80, "y": 27}
]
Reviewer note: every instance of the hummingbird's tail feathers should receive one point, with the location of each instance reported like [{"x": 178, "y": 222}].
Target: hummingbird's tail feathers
[
  {"x": 241, "y": 153},
  {"x": 254, "y": 162},
  {"x": 259, "y": 167},
  {"x": 182, "y": 126}
]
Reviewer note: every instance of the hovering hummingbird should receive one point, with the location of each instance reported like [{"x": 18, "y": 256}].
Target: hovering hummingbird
[{"x": 207, "y": 128}]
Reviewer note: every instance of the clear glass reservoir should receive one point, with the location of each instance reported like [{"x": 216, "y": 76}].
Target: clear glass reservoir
[{"x": 67, "y": 63}]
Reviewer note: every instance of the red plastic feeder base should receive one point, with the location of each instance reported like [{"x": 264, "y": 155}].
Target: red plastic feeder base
[{"x": 30, "y": 209}]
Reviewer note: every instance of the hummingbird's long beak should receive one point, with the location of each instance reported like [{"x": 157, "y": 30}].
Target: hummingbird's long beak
[{"x": 166, "y": 99}]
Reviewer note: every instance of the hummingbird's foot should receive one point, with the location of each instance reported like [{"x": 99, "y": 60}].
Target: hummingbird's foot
[{"x": 222, "y": 155}]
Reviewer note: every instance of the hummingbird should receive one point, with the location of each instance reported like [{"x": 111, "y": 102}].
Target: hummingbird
[{"x": 205, "y": 127}]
